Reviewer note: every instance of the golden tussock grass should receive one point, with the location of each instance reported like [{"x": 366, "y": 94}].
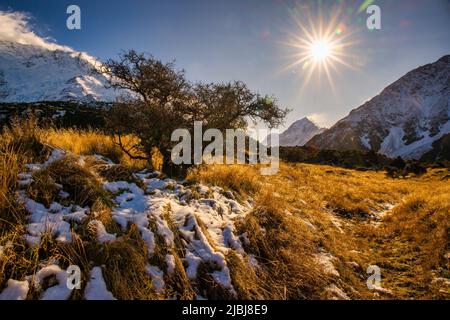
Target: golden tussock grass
[
  {"x": 299, "y": 212},
  {"x": 90, "y": 142},
  {"x": 238, "y": 178},
  {"x": 124, "y": 261},
  {"x": 307, "y": 208},
  {"x": 19, "y": 144},
  {"x": 83, "y": 187},
  {"x": 415, "y": 243}
]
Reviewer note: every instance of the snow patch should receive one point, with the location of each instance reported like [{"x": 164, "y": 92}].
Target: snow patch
[
  {"x": 365, "y": 140},
  {"x": 60, "y": 291},
  {"x": 102, "y": 235},
  {"x": 15, "y": 290},
  {"x": 157, "y": 276},
  {"x": 96, "y": 287}
]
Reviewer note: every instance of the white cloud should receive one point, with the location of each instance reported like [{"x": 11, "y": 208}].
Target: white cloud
[{"x": 15, "y": 27}]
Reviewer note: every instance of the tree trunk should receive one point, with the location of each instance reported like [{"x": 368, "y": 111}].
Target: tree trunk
[
  {"x": 172, "y": 170},
  {"x": 167, "y": 165}
]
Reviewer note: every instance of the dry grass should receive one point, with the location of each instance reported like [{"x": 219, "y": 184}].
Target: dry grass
[
  {"x": 83, "y": 187},
  {"x": 239, "y": 178},
  {"x": 307, "y": 208},
  {"x": 90, "y": 142},
  {"x": 22, "y": 143},
  {"x": 415, "y": 244},
  {"x": 247, "y": 280},
  {"x": 303, "y": 210},
  {"x": 284, "y": 248},
  {"x": 124, "y": 260},
  {"x": 11, "y": 163},
  {"x": 177, "y": 284},
  {"x": 124, "y": 263},
  {"x": 17, "y": 146}
]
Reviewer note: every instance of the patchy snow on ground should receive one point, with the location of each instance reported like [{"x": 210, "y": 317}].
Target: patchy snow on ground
[
  {"x": 54, "y": 220},
  {"x": 56, "y": 155},
  {"x": 15, "y": 290},
  {"x": 102, "y": 235},
  {"x": 168, "y": 204},
  {"x": 157, "y": 276},
  {"x": 60, "y": 291},
  {"x": 96, "y": 287},
  {"x": 201, "y": 217},
  {"x": 170, "y": 261}
]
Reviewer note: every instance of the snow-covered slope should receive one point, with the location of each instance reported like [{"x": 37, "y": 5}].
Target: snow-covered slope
[
  {"x": 298, "y": 133},
  {"x": 197, "y": 220},
  {"x": 31, "y": 73},
  {"x": 403, "y": 120}
]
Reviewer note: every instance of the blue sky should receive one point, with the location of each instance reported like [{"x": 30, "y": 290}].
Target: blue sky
[{"x": 246, "y": 40}]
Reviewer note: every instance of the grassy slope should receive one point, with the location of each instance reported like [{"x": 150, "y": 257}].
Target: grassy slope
[
  {"x": 410, "y": 244},
  {"x": 300, "y": 212}
]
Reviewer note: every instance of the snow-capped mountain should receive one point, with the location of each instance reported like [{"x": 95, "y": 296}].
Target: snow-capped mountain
[
  {"x": 403, "y": 120},
  {"x": 31, "y": 73},
  {"x": 298, "y": 133}
]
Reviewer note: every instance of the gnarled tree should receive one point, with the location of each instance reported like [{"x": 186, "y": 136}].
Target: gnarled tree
[{"x": 162, "y": 100}]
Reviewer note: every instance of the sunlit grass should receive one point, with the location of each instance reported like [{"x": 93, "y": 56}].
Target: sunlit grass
[
  {"x": 302, "y": 210},
  {"x": 90, "y": 142},
  {"x": 414, "y": 234}
]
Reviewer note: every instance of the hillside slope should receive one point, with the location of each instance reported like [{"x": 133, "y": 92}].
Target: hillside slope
[
  {"x": 403, "y": 120},
  {"x": 226, "y": 232},
  {"x": 31, "y": 73}
]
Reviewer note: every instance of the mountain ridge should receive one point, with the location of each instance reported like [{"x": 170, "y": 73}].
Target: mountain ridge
[
  {"x": 32, "y": 73},
  {"x": 403, "y": 120}
]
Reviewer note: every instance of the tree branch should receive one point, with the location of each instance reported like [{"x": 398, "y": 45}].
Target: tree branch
[{"x": 127, "y": 152}]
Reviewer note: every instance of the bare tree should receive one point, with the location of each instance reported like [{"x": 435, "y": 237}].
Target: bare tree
[
  {"x": 162, "y": 100},
  {"x": 231, "y": 105}
]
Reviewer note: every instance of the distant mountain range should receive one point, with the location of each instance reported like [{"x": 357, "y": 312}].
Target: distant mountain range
[{"x": 409, "y": 118}]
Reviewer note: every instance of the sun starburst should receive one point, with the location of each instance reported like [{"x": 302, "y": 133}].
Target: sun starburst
[{"x": 320, "y": 46}]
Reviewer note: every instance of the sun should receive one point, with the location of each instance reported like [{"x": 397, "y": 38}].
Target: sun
[
  {"x": 320, "y": 50},
  {"x": 320, "y": 46}
]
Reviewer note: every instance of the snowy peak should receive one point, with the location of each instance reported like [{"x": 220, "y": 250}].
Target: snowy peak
[
  {"x": 303, "y": 123},
  {"x": 31, "y": 73},
  {"x": 298, "y": 133},
  {"x": 403, "y": 120}
]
